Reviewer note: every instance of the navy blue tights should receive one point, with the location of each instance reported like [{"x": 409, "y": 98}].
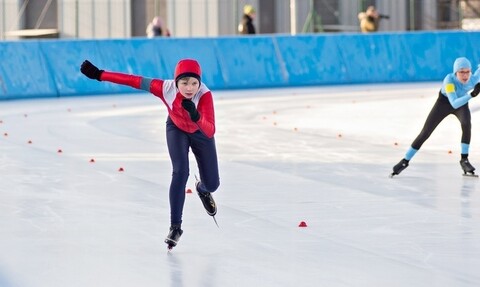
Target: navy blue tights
[{"x": 203, "y": 148}]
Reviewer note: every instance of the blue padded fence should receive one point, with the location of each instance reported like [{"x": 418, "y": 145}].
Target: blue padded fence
[{"x": 50, "y": 68}]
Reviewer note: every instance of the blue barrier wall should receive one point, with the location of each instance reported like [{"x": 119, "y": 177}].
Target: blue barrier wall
[{"x": 50, "y": 68}]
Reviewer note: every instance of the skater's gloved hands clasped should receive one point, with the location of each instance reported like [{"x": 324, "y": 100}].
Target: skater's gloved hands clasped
[
  {"x": 476, "y": 90},
  {"x": 191, "y": 109},
  {"x": 89, "y": 70}
]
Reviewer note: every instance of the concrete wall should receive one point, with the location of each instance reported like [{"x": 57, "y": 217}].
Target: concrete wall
[
  {"x": 95, "y": 19},
  {"x": 99, "y": 19},
  {"x": 50, "y": 68}
]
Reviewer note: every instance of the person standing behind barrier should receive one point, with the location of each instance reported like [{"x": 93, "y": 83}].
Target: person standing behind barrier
[
  {"x": 452, "y": 99},
  {"x": 190, "y": 125},
  {"x": 370, "y": 19},
  {"x": 246, "y": 24},
  {"x": 157, "y": 28}
]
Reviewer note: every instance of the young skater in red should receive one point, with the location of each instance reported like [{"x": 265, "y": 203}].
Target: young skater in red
[{"x": 190, "y": 125}]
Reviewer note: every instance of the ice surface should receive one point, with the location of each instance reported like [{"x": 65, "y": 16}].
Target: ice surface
[{"x": 316, "y": 154}]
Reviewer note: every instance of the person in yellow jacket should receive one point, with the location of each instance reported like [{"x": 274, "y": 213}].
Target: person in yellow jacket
[{"x": 370, "y": 19}]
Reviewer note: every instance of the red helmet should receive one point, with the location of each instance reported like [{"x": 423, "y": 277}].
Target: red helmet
[{"x": 187, "y": 68}]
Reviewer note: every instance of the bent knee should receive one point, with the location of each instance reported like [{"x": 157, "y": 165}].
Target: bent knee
[{"x": 211, "y": 186}]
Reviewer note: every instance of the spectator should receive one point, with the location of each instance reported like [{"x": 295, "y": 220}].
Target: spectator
[
  {"x": 157, "y": 28},
  {"x": 246, "y": 24},
  {"x": 370, "y": 19}
]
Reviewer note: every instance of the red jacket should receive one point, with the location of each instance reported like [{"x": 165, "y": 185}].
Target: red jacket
[{"x": 171, "y": 97}]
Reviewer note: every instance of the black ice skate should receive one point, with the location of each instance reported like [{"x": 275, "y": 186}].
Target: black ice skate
[
  {"x": 207, "y": 199},
  {"x": 208, "y": 202},
  {"x": 468, "y": 169},
  {"x": 397, "y": 169},
  {"x": 173, "y": 236}
]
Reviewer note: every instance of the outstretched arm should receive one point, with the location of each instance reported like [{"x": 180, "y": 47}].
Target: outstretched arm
[{"x": 94, "y": 73}]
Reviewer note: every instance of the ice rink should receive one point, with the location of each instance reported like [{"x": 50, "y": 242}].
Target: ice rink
[{"x": 84, "y": 193}]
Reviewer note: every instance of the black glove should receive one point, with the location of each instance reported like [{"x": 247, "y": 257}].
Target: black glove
[
  {"x": 476, "y": 90},
  {"x": 89, "y": 70},
  {"x": 191, "y": 109}
]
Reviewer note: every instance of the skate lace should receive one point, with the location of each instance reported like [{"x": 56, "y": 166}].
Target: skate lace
[{"x": 207, "y": 199}]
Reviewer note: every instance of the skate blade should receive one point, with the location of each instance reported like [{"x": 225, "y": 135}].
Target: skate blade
[
  {"x": 470, "y": 175},
  {"x": 392, "y": 175},
  {"x": 211, "y": 214},
  {"x": 214, "y": 219}
]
